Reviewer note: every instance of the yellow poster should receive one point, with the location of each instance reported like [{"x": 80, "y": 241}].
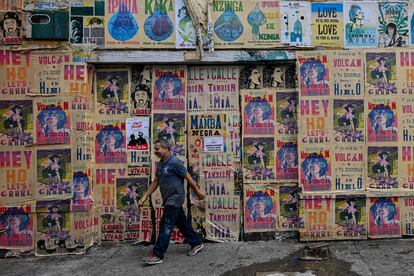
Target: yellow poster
[
  {"x": 16, "y": 123},
  {"x": 47, "y": 76},
  {"x": 347, "y": 74},
  {"x": 382, "y": 167},
  {"x": 350, "y": 217},
  {"x": 54, "y": 173},
  {"x": 289, "y": 208},
  {"x": 112, "y": 91},
  {"x": 54, "y": 232},
  {"x": 319, "y": 218},
  {"x": 145, "y": 232},
  {"x": 382, "y": 120},
  {"x": 107, "y": 179},
  {"x": 213, "y": 89},
  {"x": 381, "y": 73},
  {"x": 204, "y": 128},
  {"x": 77, "y": 83},
  {"x": 406, "y": 166},
  {"x": 315, "y": 121},
  {"x": 110, "y": 140},
  {"x": 349, "y": 166},
  {"x": 16, "y": 69},
  {"x": 82, "y": 230},
  {"x": 223, "y": 218},
  {"x": 407, "y": 215},
  {"x": 112, "y": 227},
  {"x": 405, "y": 120},
  {"x": 17, "y": 168},
  {"x": 405, "y": 71},
  {"x": 83, "y": 138},
  {"x": 258, "y": 159},
  {"x": 327, "y": 24}
]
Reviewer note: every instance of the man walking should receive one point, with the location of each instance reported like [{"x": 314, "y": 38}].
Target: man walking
[{"x": 170, "y": 177}]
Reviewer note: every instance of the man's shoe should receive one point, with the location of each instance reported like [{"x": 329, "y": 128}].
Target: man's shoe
[
  {"x": 195, "y": 249},
  {"x": 152, "y": 259}
]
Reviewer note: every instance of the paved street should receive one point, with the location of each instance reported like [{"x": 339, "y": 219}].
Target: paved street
[{"x": 372, "y": 257}]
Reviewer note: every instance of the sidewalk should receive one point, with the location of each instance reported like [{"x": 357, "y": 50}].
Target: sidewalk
[{"x": 372, "y": 257}]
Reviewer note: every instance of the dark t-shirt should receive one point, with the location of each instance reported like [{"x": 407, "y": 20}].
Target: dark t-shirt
[{"x": 170, "y": 176}]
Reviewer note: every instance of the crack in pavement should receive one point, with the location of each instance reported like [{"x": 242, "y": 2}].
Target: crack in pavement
[
  {"x": 403, "y": 264},
  {"x": 238, "y": 249},
  {"x": 362, "y": 258},
  {"x": 95, "y": 264}
]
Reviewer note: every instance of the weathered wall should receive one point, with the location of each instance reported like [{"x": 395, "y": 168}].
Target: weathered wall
[{"x": 323, "y": 147}]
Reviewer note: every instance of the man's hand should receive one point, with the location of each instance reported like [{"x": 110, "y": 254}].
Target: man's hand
[
  {"x": 198, "y": 203},
  {"x": 200, "y": 194},
  {"x": 194, "y": 186},
  {"x": 142, "y": 200},
  {"x": 150, "y": 190}
]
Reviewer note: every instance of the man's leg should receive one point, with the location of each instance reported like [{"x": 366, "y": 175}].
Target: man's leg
[
  {"x": 184, "y": 225},
  {"x": 169, "y": 218}
]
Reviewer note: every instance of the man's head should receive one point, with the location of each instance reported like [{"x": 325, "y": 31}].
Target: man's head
[
  {"x": 162, "y": 149},
  {"x": 140, "y": 95},
  {"x": 10, "y": 24}
]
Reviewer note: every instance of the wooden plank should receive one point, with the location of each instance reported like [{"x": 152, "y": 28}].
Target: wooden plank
[{"x": 103, "y": 56}]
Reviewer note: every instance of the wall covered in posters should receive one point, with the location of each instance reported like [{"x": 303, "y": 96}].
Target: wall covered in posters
[
  {"x": 344, "y": 168},
  {"x": 365, "y": 159},
  {"x": 340, "y": 128},
  {"x": 233, "y": 24},
  {"x": 214, "y": 149}
]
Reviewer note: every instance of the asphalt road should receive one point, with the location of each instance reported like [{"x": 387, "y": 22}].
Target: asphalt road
[{"x": 370, "y": 257}]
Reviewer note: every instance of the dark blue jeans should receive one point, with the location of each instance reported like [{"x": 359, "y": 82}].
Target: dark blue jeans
[{"x": 174, "y": 216}]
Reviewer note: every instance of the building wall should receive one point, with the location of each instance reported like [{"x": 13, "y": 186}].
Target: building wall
[{"x": 290, "y": 125}]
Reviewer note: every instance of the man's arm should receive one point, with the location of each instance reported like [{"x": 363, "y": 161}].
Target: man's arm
[
  {"x": 194, "y": 186},
  {"x": 151, "y": 189}
]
